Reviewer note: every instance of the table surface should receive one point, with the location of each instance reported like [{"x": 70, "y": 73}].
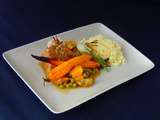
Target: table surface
[{"x": 22, "y": 22}]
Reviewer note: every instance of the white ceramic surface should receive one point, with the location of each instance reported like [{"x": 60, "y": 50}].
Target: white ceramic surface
[{"x": 57, "y": 101}]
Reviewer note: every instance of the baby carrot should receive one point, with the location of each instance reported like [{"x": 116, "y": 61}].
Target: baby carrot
[
  {"x": 90, "y": 64},
  {"x": 64, "y": 68}
]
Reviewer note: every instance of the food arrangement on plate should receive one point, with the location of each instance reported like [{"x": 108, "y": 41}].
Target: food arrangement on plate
[{"x": 72, "y": 64}]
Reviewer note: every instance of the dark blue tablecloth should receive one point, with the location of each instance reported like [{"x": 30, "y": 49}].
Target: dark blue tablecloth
[{"x": 22, "y": 22}]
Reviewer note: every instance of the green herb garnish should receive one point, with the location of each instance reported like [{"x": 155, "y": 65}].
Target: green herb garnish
[{"x": 99, "y": 59}]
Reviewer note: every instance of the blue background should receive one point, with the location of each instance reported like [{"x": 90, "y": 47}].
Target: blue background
[{"x": 22, "y": 22}]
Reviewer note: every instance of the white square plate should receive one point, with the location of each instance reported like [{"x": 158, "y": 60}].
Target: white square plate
[{"x": 57, "y": 101}]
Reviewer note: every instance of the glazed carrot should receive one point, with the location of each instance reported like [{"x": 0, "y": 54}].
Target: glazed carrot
[
  {"x": 56, "y": 62},
  {"x": 87, "y": 64},
  {"x": 64, "y": 68},
  {"x": 90, "y": 64}
]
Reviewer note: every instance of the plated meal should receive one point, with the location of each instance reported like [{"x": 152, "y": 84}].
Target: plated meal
[
  {"x": 71, "y": 64},
  {"x": 82, "y": 63}
]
